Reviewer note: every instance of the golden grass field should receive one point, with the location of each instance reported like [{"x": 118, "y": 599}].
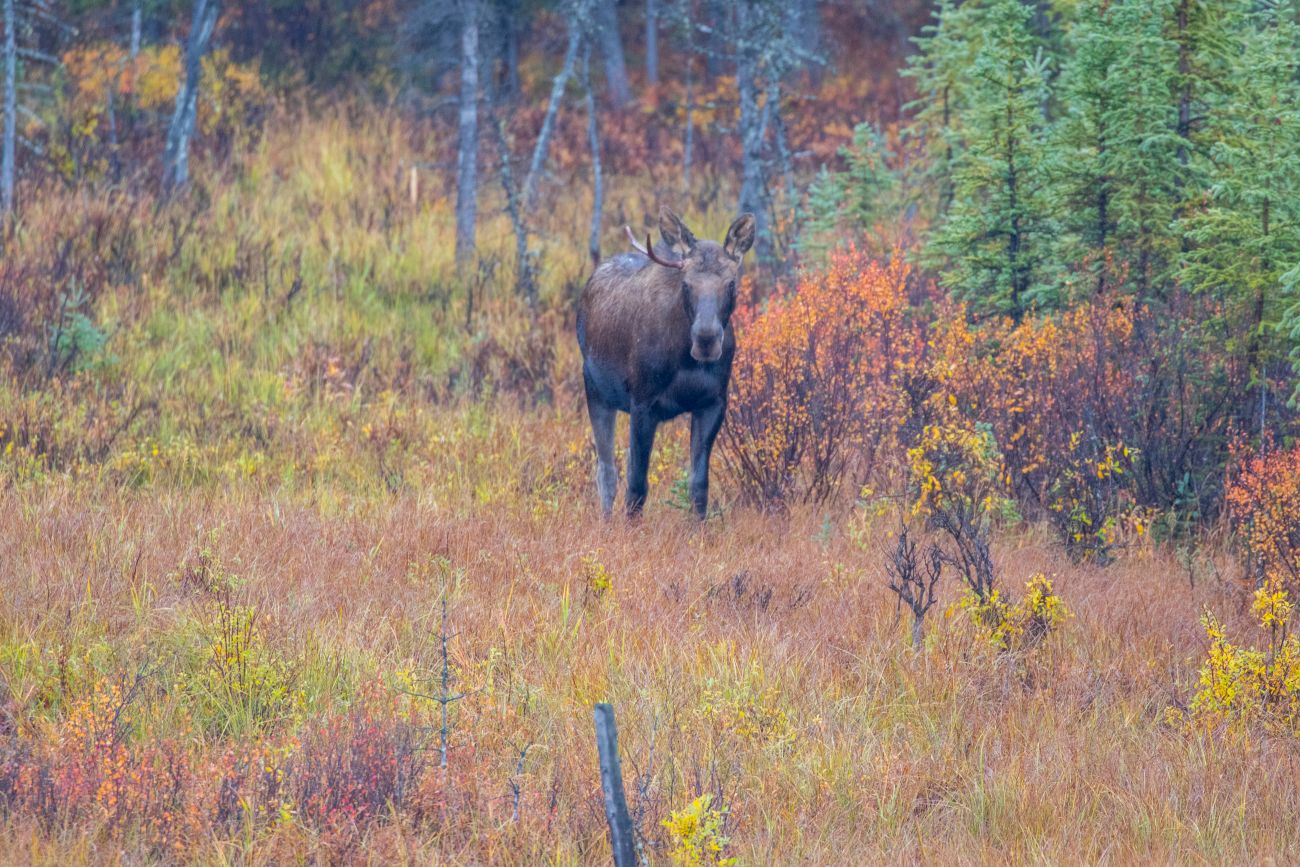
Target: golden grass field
[
  {"x": 758, "y": 658},
  {"x": 322, "y": 468}
]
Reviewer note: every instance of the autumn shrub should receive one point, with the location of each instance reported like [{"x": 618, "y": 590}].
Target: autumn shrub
[
  {"x": 338, "y": 774},
  {"x": 696, "y": 834},
  {"x": 359, "y": 767},
  {"x": 817, "y": 392},
  {"x": 955, "y": 485},
  {"x": 1020, "y": 625},
  {"x": 1263, "y": 497},
  {"x": 1057, "y": 395},
  {"x": 744, "y": 707},
  {"x": 56, "y": 265},
  {"x": 1245, "y": 688},
  {"x": 118, "y": 107},
  {"x": 95, "y": 767},
  {"x": 236, "y": 683},
  {"x": 913, "y": 577},
  {"x": 512, "y": 355}
]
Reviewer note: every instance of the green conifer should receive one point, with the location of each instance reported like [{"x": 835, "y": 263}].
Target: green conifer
[{"x": 993, "y": 248}]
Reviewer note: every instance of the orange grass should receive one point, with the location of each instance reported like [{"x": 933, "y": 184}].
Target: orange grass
[
  {"x": 757, "y": 658},
  {"x": 321, "y": 468}
]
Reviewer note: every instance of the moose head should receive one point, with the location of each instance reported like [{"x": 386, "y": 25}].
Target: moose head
[{"x": 709, "y": 272}]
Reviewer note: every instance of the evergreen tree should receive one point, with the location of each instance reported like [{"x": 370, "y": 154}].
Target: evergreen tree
[
  {"x": 822, "y": 232},
  {"x": 861, "y": 200},
  {"x": 940, "y": 67},
  {"x": 1116, "y": 147},
  {"x": 994, "y": 245},
  {"x": 1245, "y": 234}
]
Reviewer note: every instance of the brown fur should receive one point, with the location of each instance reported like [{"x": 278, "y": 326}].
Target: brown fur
[{"x": 656, "y": 343}]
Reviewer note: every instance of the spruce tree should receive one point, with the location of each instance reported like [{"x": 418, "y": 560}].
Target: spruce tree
[
  {"x": 1115, "y": 146},
  {"x": 940, "y": 68},
  {"x": 1245, "y": 233},
  {"x": 994, "y": 245},
  {"x": 854, "y": 204}
]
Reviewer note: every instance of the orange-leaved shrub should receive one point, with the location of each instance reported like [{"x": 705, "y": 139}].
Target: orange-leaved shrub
[
  {"x": 341, "y": 774},
  {"x": 819, "y": 385},
  {"x": 1057, "y": 395},
  {"x": 1263, "y": 498}
]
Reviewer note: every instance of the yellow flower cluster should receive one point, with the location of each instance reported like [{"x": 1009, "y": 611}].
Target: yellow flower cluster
[{"x": 697, "y": 836}]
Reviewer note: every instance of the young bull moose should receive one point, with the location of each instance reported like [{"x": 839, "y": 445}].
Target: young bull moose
[{"x": 656, "y": 343}]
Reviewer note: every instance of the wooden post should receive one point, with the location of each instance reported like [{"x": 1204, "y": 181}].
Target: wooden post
[{"x": 611, "y": 781}]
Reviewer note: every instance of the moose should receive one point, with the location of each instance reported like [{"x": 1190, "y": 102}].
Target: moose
[{"x": 654, "y": 330}]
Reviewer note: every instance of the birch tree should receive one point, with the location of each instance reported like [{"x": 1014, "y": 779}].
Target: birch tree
[
  {"x": 7, "y": 159},
  {"x": 652, "y": 43},
  {"x": 467, "y": 155},
  {"x": 176, "y": 157},
  {"x": 764, "y": 53},
  {"x": 593, "y": 140},
  {"x": 611, "y": 46},
  {"x": 552, "y": 109}
]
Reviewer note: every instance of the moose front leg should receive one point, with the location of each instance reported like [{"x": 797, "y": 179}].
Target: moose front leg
[
  {"x": 602, "y": 430},
  {"x": 705, "y": 425},
  {"x": 641, "y": 440}
]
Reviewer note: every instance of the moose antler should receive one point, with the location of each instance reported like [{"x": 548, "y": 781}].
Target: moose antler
[{"x": 648, "y": 250}]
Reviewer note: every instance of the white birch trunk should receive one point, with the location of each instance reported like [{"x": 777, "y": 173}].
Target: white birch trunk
[
  {"x": 467, "y": 156},
  {"x": 10, "y": 136},
  {"x": 176, "y": 157}
]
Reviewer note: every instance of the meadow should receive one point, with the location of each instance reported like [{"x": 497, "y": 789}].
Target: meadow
[
  {"x": 301, "y": 559},
  {"x": 222, "y": 626}
]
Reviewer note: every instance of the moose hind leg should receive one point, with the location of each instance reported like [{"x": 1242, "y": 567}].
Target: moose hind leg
[
  {"x": 705, "y": 425},
  {"x": 640, "y": 441},
  {"x": 602, "y": 430}
]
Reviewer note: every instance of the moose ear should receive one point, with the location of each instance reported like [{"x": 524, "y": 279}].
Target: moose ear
[
  {"x": 675, "y": 233},
  {"x": 740, "y": 237}
]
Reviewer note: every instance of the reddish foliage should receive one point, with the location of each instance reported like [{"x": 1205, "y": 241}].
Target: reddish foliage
[
  {"x": 820, "y": 381},
  {"x": 1263, "y": 499}
]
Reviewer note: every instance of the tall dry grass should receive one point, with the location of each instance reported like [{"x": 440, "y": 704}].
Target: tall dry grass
[
  {"x": 758, "y": 658},
  {"x": 293, "y": 420}
]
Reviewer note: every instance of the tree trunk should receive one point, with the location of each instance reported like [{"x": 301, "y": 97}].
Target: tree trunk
[
  {"x": 137, "y": 16},
  {"x": 524, "y": 284},
  {"x": 622, "y": 836},
  {"x": 548, "y": 122},
  {"x": 715, "y": 48},
  {"x": 651, "y": 43},
  {"x": 510, "y": 26},
  {"x": 688, "y": 146},
  {"x": 611, "y": 46},
  {"x": 467, "y": 155},
  {"x": 10, "y": 109},
  {"x": 787, "y": 169},
  {"x": 176, "y": 157},
  {"x": 593, "y": 140},
  {"x": 751, "y": 133}
]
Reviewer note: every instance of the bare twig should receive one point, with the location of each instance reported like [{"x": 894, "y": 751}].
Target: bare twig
[{"x": 914, "y": 580}]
